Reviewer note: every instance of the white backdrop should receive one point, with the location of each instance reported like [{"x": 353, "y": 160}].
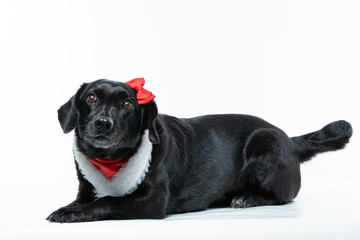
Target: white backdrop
[{"x": 293, "y": 63}]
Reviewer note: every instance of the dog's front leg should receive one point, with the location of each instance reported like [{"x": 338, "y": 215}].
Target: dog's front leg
[{"x": 106, "y": 208}]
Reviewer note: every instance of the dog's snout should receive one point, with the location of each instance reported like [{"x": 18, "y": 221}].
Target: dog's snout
[{"x": 104, "y": 124}]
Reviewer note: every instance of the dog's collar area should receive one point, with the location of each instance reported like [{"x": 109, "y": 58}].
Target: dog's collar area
[
  {"x": 128, "y": 177},
  {"x": 108, "y": 167}
]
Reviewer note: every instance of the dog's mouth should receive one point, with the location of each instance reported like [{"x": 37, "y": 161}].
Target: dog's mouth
[{"x": 100, "y": 141}]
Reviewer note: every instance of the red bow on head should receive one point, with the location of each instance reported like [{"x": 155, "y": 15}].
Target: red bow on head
[{"x": 143, "y": 96}]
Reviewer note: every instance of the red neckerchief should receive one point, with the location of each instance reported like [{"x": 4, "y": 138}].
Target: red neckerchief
[{"x": 108, "y": 167}]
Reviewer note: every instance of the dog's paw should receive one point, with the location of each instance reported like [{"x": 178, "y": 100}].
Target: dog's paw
[
  {"x": 243, "y": 202},
  {"x": 68, "y": 215}
]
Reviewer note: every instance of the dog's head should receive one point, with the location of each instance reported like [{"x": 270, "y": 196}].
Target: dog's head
[{"x": 107, "y": 115}]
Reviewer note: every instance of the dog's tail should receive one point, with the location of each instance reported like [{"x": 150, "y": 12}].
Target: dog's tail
[{"x": 332, "y": 137}]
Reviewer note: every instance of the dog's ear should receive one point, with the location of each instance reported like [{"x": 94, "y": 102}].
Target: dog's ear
[
  {"x": 151, "y": 122},
  {"x": 68, "y": 115}
]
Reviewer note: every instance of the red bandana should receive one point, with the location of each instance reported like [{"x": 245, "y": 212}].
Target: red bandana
[
  {"x": 108, "y": 167},
  {"x": 143, "y": 96}
]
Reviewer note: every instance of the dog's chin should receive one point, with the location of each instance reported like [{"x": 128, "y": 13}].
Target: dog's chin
[{"x": 100, "y": 142}]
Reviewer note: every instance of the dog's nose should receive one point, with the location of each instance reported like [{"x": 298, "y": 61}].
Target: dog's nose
[{"x": 104, "y": 124}]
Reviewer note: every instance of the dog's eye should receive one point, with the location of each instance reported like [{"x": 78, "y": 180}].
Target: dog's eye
[
  {"x": 91, "y": 99},
  {"x": 128, "y": 105}
]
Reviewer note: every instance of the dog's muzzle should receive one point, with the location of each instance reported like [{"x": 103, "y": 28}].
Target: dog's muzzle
[{"x": 104, "y": 124}]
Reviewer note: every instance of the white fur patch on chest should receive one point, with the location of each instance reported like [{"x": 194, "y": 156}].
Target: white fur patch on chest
[{"x": 123, "y": 182}]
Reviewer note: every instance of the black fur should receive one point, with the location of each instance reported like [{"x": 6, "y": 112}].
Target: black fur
[{"x": 214, "y": 160}]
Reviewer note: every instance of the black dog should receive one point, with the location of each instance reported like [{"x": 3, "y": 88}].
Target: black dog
[{"x": 135, "y": 163}]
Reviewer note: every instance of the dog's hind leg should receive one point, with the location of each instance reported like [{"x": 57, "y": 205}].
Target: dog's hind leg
[
  {"x": 271, "y": 171},
  {"x": 251, "y": 200}
]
